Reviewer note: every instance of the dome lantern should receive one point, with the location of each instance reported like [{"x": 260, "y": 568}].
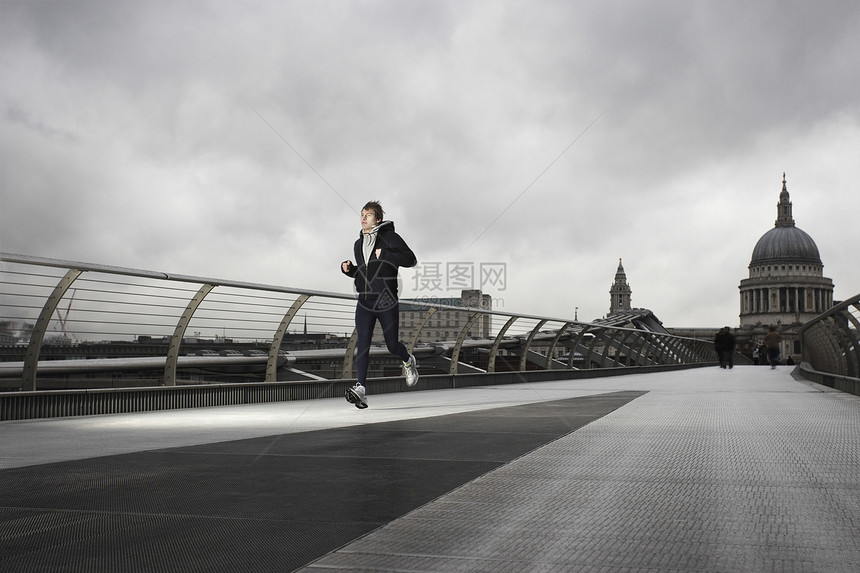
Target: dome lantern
[{"x": 783, "y": 208}]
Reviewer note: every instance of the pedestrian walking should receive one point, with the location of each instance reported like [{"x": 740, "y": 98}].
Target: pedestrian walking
[
  {"x": 771, "y": 341},
  {"x": 724, "y": 344},
  {"x": 379, "y": 253}
]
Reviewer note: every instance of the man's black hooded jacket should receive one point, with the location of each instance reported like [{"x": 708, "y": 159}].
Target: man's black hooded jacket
[{"x": 378, "y": 275}]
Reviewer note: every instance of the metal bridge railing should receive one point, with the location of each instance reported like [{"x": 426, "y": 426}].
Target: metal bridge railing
[
  {"x": 155, "y": 323},
  {"x": 830, "y": 346}
]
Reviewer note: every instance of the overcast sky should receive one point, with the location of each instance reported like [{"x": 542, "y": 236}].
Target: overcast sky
[{"x": 240, "y": 139}]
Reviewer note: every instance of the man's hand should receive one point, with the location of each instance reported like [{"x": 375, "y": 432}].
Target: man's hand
[{"x": 345, "y": 266}]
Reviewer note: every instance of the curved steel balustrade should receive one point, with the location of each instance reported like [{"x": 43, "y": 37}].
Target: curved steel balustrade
[
  {"x": 830, "y": 345},
  {"x": 56, "y": 302}
]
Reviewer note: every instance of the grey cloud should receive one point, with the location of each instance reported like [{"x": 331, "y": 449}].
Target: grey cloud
[{"x": 446, "y": 111}]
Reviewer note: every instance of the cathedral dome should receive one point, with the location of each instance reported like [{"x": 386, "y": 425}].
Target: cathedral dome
[
  {"x": 785, "y": 242},
  {"x": 782, "y": 244},
  {"x": 786, "y": 284}
]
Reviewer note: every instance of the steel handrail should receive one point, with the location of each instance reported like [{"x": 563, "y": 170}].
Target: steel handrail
[
  {"x": 599, "y": 346},
  {"x": 830, "y": 342}
]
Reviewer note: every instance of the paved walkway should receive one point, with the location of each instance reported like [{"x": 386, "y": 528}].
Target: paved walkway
[{"x": 698, "y": 470}]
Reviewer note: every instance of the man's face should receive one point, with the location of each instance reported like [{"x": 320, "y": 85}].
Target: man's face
[{"x": 368, "y": 220}]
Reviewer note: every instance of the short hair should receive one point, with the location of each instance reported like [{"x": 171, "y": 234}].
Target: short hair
[{"x": 376, "y": 208}]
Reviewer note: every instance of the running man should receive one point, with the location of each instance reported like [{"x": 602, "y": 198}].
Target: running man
[{"x": 379, "y": 252}]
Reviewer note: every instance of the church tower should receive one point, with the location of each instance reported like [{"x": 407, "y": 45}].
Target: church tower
[{"x": 619, "y": 292}]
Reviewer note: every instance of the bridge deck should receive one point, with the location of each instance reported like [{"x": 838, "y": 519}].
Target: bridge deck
[{"x": 697, "y": 470}]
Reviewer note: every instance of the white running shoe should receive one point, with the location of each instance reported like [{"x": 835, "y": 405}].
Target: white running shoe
[
  {"x": 356, "y": 395},
  {"x": 411, "y": 369}
]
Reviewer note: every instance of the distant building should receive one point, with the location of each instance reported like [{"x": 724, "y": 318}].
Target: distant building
[
  {"x": 786, "y": 286},
  {"x": 445, "y": 324},
  {"x": 621, "y": 313},
  {"x": 619, "y": 292}
]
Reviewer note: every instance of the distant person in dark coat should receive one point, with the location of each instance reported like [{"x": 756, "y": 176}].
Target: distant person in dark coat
[
  {"x": 771, "y": 341},
  {"x": 724, "y": 344}
]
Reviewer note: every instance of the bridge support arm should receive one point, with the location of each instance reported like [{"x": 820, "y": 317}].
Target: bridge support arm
[
  {"x": 413, "y": 336},
  {"x": 455, "y": 353},
  {"x": 491, "y": 365},
  {"x": 31, "y": 360},
  {"x": 349, "y": 355},
  {"x": 528, "y": 343},
  {"x": 275, "y": 348},
  {"x": 179, "y": 333},
  {"x": 576, "y": 343},
  {"x": 561, "y": 332}
]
